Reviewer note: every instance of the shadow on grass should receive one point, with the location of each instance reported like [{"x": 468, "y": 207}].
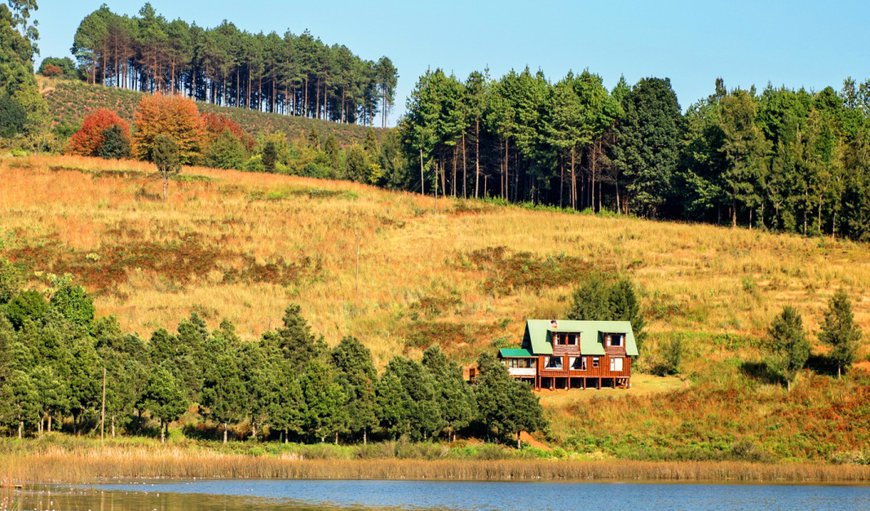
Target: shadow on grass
[
  {"x": 760, "y": 372},
  {"x": 821, "y": 364}
]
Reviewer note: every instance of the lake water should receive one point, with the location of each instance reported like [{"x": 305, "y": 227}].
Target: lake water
[{"x": 235, "y": 495}]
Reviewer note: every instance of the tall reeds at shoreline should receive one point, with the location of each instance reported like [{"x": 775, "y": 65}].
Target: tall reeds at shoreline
[{"x": 59, "y": 466}]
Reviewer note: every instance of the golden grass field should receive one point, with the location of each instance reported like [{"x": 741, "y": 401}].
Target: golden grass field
[
  {"x": 401, "y": 272},
  {"x": 242, "y": 246}
]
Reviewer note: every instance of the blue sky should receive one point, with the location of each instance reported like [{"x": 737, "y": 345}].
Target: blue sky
[{"x": 796, "y": 43}]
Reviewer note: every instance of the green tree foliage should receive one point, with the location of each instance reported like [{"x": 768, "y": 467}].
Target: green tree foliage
[
  {"x": 164, "y": 398},
  {"x": 325, "y": 401},
  {"x": 357, "y": 376},
  {"x": 506, "y": 406},
  {"x": 19, "y": 92},
  {"x": 458, "y": 407},
  {"x": 291, "y": 74},
  {"x": 228, "y": 152},
  {"x": 647, "y": 150},
  {"x": 408, "y": 402},
  {"x": 116, "y": 144},
  {"x": 600, "y": 297},
  {"x": 789, "y": 346},
  {"x": 74, "y": 304},
  {"x": 839, "y": 331},
  {"x": 26, "y": 306},
  {"x": 53, "y": 354},
  {"x": 270, "y": 156},
  {"x": 166, "y": 158},
  {"x": 223, "y": 393},
  {"x": 58, "y": 67}
]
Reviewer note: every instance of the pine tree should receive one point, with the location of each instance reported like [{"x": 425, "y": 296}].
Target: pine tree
[
  {"x": 840, "y": 332},
  {"x": 789, "y": 345}
]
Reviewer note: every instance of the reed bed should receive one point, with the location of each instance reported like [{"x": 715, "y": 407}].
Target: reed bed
[{"x": 86, "y": 467}]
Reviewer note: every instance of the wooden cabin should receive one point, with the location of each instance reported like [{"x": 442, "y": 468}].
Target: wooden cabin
[{"x": 567, "y": 354}]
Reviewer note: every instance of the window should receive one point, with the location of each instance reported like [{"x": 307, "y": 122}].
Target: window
[
  {"x": 554, "y": 362},
  {"x": 616, "y": 364},
  {"x": 616, "y": 340},
  {"x": 578, "y": 363},
  {"x": 596, "y": 362},
  {"x": 519, "y": 363},
  {"x": 565, "y": 339}
]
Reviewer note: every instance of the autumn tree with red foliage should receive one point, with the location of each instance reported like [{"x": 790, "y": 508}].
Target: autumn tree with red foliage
[
  {"x": 216, "y": 124},
  {"x": 174, "y": 117},
  {"x": 88, "y": 141}
]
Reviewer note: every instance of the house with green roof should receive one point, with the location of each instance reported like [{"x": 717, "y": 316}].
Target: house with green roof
[{"x": 567, "y": 354}]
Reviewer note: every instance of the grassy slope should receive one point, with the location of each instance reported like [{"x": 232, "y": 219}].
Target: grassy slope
[
  {"x": 69, "y": 101},
  {"x": 243, "y": 245}
]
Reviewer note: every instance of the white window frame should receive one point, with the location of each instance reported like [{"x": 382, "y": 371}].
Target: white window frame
[{"x": 613, "y": 363}]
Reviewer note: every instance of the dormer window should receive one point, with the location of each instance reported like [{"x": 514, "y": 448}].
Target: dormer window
[
  {"x": 566, "y": 339},
  {"x": 613, "y": 340}
]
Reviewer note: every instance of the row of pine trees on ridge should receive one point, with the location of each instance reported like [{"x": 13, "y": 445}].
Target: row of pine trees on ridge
[{"x": 290, "y": 74}]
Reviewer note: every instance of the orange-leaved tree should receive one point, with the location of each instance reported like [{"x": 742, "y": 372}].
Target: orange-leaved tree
[
  {"x": 88, "y": 140},
  {"x": 171, "y": 116}
]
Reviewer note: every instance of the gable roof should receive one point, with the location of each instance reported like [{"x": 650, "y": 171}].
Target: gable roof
[{"x": 537, "y": 340}]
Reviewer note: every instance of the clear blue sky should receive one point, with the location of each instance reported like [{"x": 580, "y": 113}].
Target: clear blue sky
[{"x": 796, "y": 43}]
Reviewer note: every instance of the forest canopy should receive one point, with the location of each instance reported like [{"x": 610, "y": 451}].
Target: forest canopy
[
  {"x": 781, "y": 159},
  {"x": 289, "y": 74}
]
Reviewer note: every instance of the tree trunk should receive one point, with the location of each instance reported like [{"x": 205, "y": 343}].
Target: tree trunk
[
  {"x": 476, "y": 157},
  {"x": 505, "y": 185},
  {"x": 573, "y": 181},
  {"x": 464, "y": 169},
  {"x": 365, "y": 436},
  {"x": 162, "y": 433},
  {"x": 225, "y": 432},
  {"x": 519, "y": 442},
  {"x": 733, "y": 213},
  {"x": 165, "y": 187},
  {"x": 336, "y": 438},
  {"x": 422, "y": 181}
]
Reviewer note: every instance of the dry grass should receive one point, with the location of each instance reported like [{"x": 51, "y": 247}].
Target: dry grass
[
  {"x": 243, "y": 245},
  {"x": 59, "y": 466}
]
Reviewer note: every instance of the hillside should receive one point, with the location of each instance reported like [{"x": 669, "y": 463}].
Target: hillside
[
  {"x": 400, "y": 275},
  {"x": 70, "y": 100}
]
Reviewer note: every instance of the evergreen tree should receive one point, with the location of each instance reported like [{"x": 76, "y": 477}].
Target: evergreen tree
[
  {"x": 166, "y": 158},
  {"x": 164, "y": 398},
  {"x": 789, "y": 345},
  {"x": 647, "y": 151},
  {"x": 357, "y": 377},
  {"x": 326, "y": 402},
  {"x": 506, "y": 407},
  {"x": 840, "y": 332},
  {"x": 223, "y": 393},
  {"x": 116, "y": 144},
  {"x": 454, "y": 394}
]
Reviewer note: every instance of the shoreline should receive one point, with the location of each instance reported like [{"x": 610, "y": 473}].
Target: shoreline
[{"x": 174, "y": 465}]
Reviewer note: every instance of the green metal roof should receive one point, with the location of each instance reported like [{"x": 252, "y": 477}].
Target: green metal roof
[
  {"x": 537, "y": 335},
  {"x": 514, "y": 353}
]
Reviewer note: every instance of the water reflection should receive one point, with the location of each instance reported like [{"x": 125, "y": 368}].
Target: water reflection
[
  {"x": 62, "y": 499},
  {"x": 243, "y": 495}
]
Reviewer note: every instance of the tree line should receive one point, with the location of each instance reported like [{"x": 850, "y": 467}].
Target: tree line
[
  {"x": 789, "y": 160},
  {"x": 217, "y": 141},
  {"x": 290, "y": 74},
  {"x": 62, "y": 368}
]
